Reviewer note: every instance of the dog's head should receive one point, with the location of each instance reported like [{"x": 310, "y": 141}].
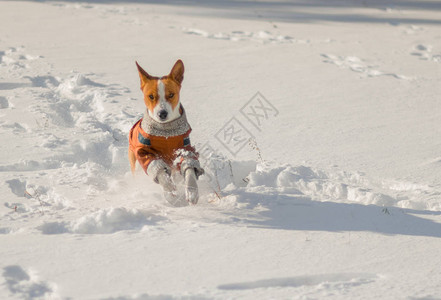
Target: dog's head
[{"x": 161, "y": 94}]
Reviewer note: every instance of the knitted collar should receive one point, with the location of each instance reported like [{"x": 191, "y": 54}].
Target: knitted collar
[{"x": 176, "y": 127}]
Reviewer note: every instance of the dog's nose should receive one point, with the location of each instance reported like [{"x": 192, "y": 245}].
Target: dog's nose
[{"x": 163, "y": 115}]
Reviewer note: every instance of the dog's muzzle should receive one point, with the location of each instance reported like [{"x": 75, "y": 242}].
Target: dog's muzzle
[{"x": 163, "y": 115}]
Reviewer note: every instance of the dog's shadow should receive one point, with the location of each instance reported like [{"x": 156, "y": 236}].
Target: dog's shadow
[{"x": 299, "y": 212}]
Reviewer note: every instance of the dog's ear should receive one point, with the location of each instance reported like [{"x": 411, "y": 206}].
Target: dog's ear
[
  {"x": 177, "y": 72},
  {"x": 143, "y": 75}
]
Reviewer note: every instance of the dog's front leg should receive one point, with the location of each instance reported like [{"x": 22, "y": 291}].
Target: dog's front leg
[
  {"x": 160, "y": 172},
  {"x": 191, "y": 170},
  {"x": 166, "y": 182},
  {"x": 191, "y": 186}
]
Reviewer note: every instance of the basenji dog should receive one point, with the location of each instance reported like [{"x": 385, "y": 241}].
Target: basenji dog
[{"x": 160, "y": 141}]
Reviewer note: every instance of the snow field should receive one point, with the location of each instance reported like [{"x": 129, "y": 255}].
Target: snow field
[{"x": 74, "y": 223}]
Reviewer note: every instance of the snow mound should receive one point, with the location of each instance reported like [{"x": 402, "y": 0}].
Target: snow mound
[
  {"x": 14, "y": 127},
  {"x": 26, "y": 284},
  {"x": 4, "y": 103},
  {"x": 359, "y": 65},
  {"x": 221, "y": 171},
  {"x": 12, "y": 58},
  {"x": 232, "y": 178},
  {"x": 5, "y": 230},
  {"x": 17, "y": 187},
  {"x": 342, "y": 279},
  {"x": 424, "y": 52},
  {"x": 73, "y": 102},
  {"x": 35, "y": 199},
  {"x": 319, "y": 185},
  {"x": 104, "y": 221},
  {"x": 261, "y": 36}
]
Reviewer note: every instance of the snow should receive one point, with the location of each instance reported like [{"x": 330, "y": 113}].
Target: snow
[{"x": 330, "y": 187}]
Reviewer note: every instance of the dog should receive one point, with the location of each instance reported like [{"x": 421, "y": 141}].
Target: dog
[{"x": 160, "y": 141}]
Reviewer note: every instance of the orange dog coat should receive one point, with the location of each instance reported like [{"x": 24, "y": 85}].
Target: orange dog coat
[{"x": 161, "y": 143}]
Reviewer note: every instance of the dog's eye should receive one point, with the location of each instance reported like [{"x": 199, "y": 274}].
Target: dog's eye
[
  {"x": 151, "y": 97},
  {"x": 171, "y": 95}
]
